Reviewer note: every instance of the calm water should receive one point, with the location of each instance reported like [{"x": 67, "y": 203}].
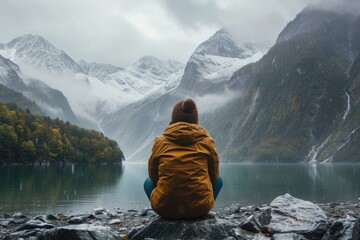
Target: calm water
[{"x": 39, "y": 190}]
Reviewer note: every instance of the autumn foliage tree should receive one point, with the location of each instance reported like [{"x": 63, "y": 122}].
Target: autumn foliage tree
[{"x": 27, "y": 138}]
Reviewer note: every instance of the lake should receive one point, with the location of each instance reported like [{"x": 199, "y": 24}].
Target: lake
[{"x": 37, "y": 190}]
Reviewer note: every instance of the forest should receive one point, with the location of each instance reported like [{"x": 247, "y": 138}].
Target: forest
[{"x": 27, "y": 138}]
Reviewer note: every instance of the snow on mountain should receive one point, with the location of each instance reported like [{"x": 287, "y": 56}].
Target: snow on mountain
[
  {"x": 39, "y": 53},
  {"x": 98, "y": 70},
  {"x": 215, "y": 60},
  {"x": 150, "y": 74},
  {"x": 92, "y": 89}
]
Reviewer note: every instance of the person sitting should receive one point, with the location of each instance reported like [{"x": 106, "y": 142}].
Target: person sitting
[{"x": 183, "y": 167}]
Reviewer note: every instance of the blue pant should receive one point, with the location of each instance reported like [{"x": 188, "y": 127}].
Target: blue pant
[{"x": 217, "y": 184}]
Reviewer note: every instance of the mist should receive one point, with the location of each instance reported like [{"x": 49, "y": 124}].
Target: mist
[
  {"x": 351, "y": 7},
  {"x": 210, "y": 102}
]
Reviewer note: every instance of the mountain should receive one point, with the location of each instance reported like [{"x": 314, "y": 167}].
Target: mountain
[
  {"x": 213, "y": 63},
  {"x": 39, "y": 53},
  {"x": 96, "y": 89},
  {"x": 52, "y": 102},
  {"x": 300, "y": 102},
  {"x": 9, "y": 96}
]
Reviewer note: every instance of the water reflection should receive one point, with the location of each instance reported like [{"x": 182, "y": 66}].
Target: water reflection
[
  {"x": 79, "y": 188},
  {"x": 42, "y": 188},
  {"x": 256, "y": 184}
]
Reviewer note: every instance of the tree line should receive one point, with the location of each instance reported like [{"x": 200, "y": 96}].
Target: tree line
[{"x": 28, "y": 138}]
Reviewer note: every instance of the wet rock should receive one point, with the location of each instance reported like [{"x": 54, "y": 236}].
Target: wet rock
[
  {"x": 25, "y": 234},
  {"x": 293, "y": 215},
  {"x": 235, "y": 208},
  {"x": 51, "y": 217},
  {"x": 114, "y": 221},
  {"x": 18, "y": 221},
  {"x": 251, "y": 225},
  {"x": 99, "y": 209},
  {"x": 288, "y": 236},
  {"x": 19, "y": 215},
  {"x": 208, "y": 227},
  {"x": 42, "y": 218},
  {"x": 102, "y": 216},
  {"x": 32, "y": 224},
  {"x": 132, "y": 210},
  {"x": 4, "y": 223},
  {"x": 76, "y": 220},
  {"x": 83, "y": 232},
  {"x": 344, "y": 229},
  {"x": 265, "y": 216},
  {"x": 147, "y": 212}
]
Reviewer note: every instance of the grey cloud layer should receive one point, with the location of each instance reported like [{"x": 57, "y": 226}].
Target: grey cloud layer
[{"x": 121, "y": 31}]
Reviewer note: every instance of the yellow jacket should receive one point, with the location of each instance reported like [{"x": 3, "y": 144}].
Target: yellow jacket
[{"x": 182, "y": 165}]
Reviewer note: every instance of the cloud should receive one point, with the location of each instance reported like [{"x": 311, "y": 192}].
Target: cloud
[
  {"x": 211, "y": 102},
  {"x": 121, "y": 31},
  {"x": 342, "y": 7}
]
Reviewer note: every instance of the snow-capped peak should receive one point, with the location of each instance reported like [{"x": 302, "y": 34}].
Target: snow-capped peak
[
  {"x": 215, "y": 60},
  {"x": 36, "y": 51},
  {"x": 31, "y": 42},
  {"x": 222, "y": 44}
]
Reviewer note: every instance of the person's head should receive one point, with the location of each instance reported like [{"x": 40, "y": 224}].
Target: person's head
[{"x": 185, "y": 111}]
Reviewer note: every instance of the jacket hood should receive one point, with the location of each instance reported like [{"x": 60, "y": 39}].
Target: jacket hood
[{"x": 184, "y": 133}]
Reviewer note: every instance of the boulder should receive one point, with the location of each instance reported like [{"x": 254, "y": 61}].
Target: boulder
[
  {"x": 344, "y": 229},
  {"x": 293, "y": 215},
  {"x": 79, "y": 232},
  {"x": 76, "y": 220},
  {"x": 208, "y": 227},
  {"x": 251, "y": 225},
  {"x": 34, "y": 224}
]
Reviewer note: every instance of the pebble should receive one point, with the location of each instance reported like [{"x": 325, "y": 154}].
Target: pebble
[{"x": 114, "y": 221}]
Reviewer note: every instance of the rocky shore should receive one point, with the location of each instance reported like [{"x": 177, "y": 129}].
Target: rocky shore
[{"x": 286, "y": 217}]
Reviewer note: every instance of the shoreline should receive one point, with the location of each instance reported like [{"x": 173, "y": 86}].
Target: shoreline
[{"x": 124, "y": 223}]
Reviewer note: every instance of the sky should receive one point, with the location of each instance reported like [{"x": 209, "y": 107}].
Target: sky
[{"x": 119, "y": 32}]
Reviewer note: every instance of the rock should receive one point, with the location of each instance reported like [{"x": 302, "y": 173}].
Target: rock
[
  {"x": 132, "y": 211},
  {"x": 251, "y": 225},
  {"x": 100, "y": 209},
  {"x": 82, "y": 231},
  {"x": 32, "y": 224},
  {"x": 25, "y": 234},
  {"x": 208, "y": 227},
  {"x": 102, "y": 216},
  {"x": 293, "y": 215},
  {"x": 18, "y": 221},
  {"x": 288, "y": 236},
  {"x": 235, "y": 208},
  {"x": 114, "y": 221},
  {"x": 51, "y": 217},
  {"x": 76, "y": 220},
  {"x": 19, "y": 215},
  {"x": 4, "y": 223},
  {"x": 344, "y": 229},
  {"x": 265, "y": 216},
  {"x": 147, "y": 212}
]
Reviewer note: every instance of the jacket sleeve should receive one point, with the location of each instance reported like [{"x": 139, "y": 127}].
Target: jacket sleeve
[
  {"x": 213, "y": 161},
  {"x": 153, "y": 163}
]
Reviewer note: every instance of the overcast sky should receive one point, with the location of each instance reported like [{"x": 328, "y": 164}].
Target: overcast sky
[{"x": 119, "y": 32}]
